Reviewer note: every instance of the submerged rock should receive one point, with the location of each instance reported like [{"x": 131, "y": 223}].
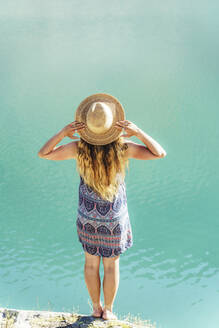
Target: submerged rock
[{"x": 12, "y": 318}]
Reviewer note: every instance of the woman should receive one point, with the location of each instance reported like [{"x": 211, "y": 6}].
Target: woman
[{"x": 102, "y": 154}]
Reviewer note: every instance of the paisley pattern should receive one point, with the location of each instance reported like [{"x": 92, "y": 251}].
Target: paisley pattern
[
  {"x": 104, "y": 230},
  {"x": 103, "y": 227},
  {"x": 89, "y": 228},
  {"x": 89, "y": 204},
  {"x": 103, "y": 209},
  {"x": 117, "y": 230}
]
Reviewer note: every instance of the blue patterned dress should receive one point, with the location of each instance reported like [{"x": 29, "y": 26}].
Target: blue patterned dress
[{"x": 103, "y": 227}]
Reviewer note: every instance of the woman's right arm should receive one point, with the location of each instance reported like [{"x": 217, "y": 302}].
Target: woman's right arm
[{"x": 68, "y": 151}]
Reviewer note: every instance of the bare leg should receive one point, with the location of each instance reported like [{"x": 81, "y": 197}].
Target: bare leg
[
  {"x": 110, "y": 285},
  {"x": 92, "y": 279}
]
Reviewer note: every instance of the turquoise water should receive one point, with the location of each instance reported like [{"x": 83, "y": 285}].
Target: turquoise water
[{"x": 160, "y": 60}]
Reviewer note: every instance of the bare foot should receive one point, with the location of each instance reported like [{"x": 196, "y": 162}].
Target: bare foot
[
  {"x": 108, "y": 315},
  {"x": 97, "y": 312}
]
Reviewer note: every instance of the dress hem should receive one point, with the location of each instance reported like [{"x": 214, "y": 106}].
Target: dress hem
[{"x": 113, "y": 255}]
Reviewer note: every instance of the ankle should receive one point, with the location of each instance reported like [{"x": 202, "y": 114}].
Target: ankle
[
  {"x": 108, "y": 307},
  {"x": 97, "y": 305}
]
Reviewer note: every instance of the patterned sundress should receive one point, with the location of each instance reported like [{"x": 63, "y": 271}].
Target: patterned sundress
[{"x": 103, "y": 227}]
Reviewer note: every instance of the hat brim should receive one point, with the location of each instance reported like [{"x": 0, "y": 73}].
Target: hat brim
[{"x": 118, "y": 115}]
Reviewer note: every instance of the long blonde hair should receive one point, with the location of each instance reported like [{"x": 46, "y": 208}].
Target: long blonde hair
[{"x": 100, "y": 165}]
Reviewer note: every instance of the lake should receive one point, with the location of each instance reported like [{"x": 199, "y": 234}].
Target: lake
[{"x": 160, "y": 60}]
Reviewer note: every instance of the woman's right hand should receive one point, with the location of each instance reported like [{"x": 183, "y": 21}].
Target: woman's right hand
[{"x": 71, "y": 128}]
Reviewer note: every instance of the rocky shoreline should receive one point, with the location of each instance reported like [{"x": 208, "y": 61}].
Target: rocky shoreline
[{"x": 13, "y": 318}]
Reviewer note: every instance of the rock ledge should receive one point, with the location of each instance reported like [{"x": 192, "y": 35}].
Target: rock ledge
[{"x": 12, "y": 318}]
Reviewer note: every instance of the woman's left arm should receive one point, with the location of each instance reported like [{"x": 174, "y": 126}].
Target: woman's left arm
[
  {"x": 152, "y": 144},
  {"x": 133, "y": 130}
]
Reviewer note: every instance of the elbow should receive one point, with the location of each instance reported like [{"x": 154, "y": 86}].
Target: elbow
[
  {"x": 163, "y": 154},
  {"x": 40, "y": 154}
]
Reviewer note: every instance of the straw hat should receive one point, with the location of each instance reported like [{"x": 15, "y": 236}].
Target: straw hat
[{"x": 99, "y": 112}]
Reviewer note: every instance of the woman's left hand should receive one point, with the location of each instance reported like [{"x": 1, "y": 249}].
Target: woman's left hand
[{"x": 130, "y": 128}]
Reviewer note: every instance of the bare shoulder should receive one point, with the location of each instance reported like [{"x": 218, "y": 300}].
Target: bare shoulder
[
  {"x": 72, "y": 148},
  {"x": 138, "y": 151}
]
